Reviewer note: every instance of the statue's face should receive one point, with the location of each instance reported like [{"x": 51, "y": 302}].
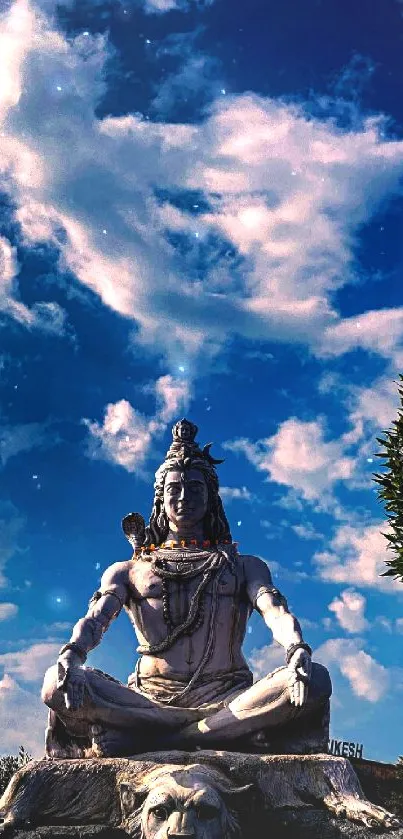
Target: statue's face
[{"x": 185, "y": 497}]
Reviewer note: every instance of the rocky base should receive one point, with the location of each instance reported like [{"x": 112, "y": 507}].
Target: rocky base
[
  {"x": 285, "y": 796},
  {"x": 314, "y": 824}
]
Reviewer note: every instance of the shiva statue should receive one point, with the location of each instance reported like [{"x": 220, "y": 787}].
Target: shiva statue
[{"x": 189, "y": 594}]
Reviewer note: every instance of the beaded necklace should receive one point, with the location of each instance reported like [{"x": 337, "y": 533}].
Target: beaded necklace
[
  {"x": 210, "y": 570},
  {"x": 188, "y": 545},
  {"x": 212, "y": 563}
]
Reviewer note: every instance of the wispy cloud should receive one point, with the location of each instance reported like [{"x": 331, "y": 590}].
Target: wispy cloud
[
  {"x": 306, "y": 531},
  {"x": 30, "y": 664},
  {"x": 195, "y": 81},
  {"x": 22, "y": 719},
  {"x": 266, "y": 659},
  {"x": 48, "y": 317},
  {"x": 8, "y": 611},
  {"x": 163, "y": 6},
  {"x": 379, "y": 331},
  {"x": 229, "y": 494},
  {"x": 22, "y": 712},
  {"x": 371, "y": 410},
  {"x": 11, "y": 526},
  {"x": 284, "y": 191},
  {"x": 15, "y": 439}
]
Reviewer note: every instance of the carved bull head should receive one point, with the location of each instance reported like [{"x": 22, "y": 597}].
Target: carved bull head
[{"x": 197, "y": 802}]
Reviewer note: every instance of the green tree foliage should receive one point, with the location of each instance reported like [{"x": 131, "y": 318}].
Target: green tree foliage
[
  {"x": 391, "y": 489},
  {"x": 9, "y": 764}
]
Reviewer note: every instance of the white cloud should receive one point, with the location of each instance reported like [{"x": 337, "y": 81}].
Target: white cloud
[
  {"x": 286, "y": 190},
  {"x": 349, "y": 609},
  {"x": 299, "y": 457},
  {"x": 125, "y": 436},
  {"x": 357, "y": 556},
  {"x": 22, "y": 719},
  {"x": 8, "y": 611},
  {"x": 368, "y": 679},
  {"x": 266, "y": 659},
  {"x": 30, "y": 664},
  {"x": 235, "y": 494}
]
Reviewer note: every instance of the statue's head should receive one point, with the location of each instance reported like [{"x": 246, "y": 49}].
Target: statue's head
[
  {"x": 197, "y": 802},
  {"x": 186, "y": 488}
]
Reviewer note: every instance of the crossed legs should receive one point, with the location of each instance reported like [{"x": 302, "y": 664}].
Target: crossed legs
[{"x": 123, "y": 721}]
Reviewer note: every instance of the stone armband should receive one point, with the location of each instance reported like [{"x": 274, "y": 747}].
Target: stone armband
[
  {"x": 75, "y": 648},
  {"x": 293, "y": 649},
  {"x": 278, "y": 598},
  {"x": 88, "y": 631},
  {"x": 94, "y": 599},
  {"x": 98, "y": 594}
]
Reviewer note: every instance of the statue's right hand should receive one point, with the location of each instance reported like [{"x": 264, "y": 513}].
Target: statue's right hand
[{"x": 71, "y": 680}]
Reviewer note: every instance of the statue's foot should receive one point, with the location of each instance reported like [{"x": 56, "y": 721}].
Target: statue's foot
[
  {"x": 60, "y": 749},
  {"x": 113, "y": 742},
  {"x": 362, "y": 810}
]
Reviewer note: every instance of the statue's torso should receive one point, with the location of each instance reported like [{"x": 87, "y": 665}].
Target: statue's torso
[{"x": 146, "y": 610}]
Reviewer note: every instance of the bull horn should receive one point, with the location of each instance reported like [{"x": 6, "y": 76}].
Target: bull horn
[{"x": 235, "y": 790}]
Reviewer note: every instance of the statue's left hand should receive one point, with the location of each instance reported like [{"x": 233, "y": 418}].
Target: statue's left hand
[{"x": 299, "y": 674}]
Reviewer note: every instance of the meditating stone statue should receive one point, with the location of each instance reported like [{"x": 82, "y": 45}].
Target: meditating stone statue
[{"x": 189, "y": 594}]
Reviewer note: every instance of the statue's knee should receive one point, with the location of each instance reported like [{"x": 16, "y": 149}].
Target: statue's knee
[
  {"x": 49, "y": 687},
  {"x": 321, "y": 682}
]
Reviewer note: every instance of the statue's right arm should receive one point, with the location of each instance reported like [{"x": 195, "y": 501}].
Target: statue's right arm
[{"x": 87, "y": 633}]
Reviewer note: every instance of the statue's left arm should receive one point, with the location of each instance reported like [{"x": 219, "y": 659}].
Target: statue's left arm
[{"x": 273, "y": 607}]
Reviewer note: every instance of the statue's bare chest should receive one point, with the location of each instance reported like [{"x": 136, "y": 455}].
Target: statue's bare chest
[{"x": 147, "y": 583}]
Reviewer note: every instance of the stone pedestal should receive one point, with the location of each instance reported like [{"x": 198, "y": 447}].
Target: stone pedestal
[{"x": 283, "y": 796}]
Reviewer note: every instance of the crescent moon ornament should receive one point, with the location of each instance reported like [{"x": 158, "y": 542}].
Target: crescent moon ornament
[{"x": 207, "y": 455}]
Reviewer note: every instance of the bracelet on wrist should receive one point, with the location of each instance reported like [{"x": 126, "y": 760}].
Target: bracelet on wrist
[
  {"x": 75, "y": 648},
  {"x": 294, "y": 647}
]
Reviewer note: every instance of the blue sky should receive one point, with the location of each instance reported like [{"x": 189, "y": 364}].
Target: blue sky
[{"x": 201, "y": 214}]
